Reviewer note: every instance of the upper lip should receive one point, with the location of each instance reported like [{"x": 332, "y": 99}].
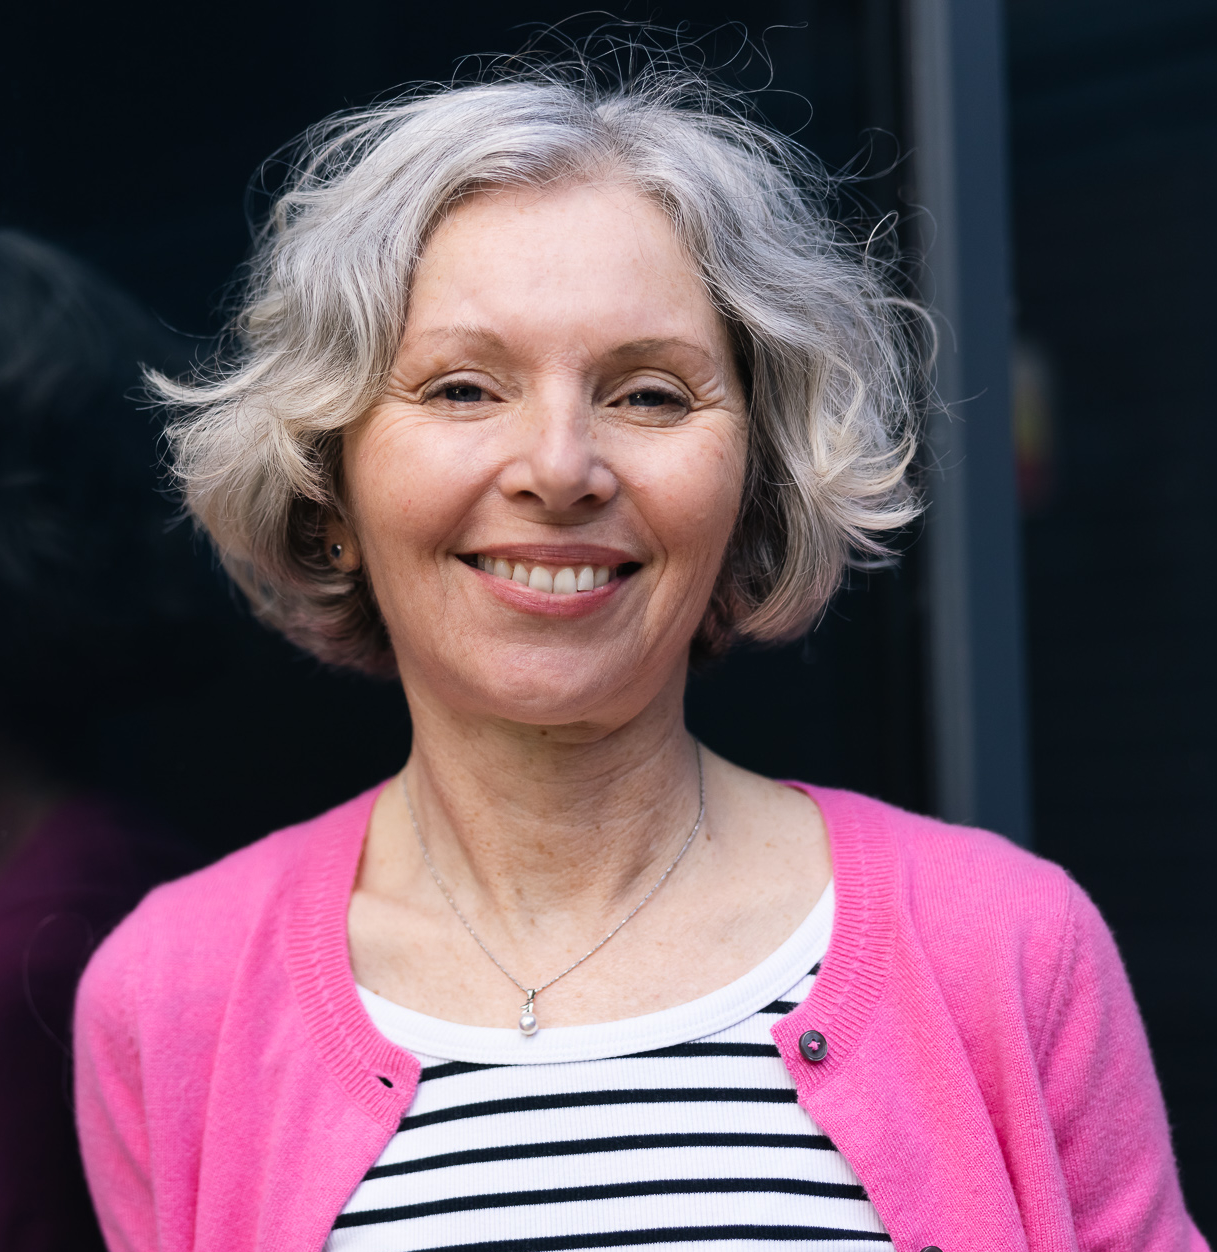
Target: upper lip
[{"x": 557, "y": 554}]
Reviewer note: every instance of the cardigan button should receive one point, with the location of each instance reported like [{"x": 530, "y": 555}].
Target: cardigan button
[
  {"x": 931, "y": 1248},
  {"x": 813, "y": 1045}
]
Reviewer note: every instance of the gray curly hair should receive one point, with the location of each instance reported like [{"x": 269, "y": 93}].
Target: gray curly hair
[{"x": 829, "y": 351}]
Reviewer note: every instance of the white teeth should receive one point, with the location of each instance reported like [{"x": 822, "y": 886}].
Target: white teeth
[{"x": 566, "y": 582}]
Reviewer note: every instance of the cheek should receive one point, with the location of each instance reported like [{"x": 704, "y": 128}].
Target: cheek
[
  {"x": 407, "y": 483},
  {"x": 696, "y": 500}
]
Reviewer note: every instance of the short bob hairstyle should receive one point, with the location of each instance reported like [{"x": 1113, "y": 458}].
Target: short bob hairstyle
[{"x": 828, "y": 350}]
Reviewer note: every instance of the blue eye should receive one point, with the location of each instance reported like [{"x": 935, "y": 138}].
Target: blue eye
[
  {"x": 648, "y": 399},
  {"x": 464, "y": 393}
]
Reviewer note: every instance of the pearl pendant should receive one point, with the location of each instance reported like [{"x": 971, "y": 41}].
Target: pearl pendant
[{"x": 528, "y": 1019}]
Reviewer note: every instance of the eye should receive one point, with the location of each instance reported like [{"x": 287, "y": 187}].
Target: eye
[
  {"x": 464, "y": 393},
  {"x": 650, "y": 398}
]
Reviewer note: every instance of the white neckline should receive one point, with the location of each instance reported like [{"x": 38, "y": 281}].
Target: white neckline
[{"x": 781, "y": 970}]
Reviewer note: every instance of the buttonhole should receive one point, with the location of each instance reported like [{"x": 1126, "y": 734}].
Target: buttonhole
[{"x": 383, "y": 1079}]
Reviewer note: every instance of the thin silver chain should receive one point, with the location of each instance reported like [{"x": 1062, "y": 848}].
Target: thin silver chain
[{"x": 533, "y": 992}]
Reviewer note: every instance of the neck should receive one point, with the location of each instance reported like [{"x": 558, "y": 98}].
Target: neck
[{"x": 544, "y": 819}]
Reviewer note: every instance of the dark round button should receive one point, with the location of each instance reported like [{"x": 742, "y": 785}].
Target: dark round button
[
  {"x": 931, "y": 1248},
  {"x": 813, "y": 1045}
]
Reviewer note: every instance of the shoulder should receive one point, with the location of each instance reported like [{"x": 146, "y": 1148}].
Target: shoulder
[
  {"x": 210, "y": 910},
  {"x": 195, "y": 930},
  {"x": 982, "y": 912},
  {"x": 959, "y": 871},
  {"x": 931, "y": 855}
]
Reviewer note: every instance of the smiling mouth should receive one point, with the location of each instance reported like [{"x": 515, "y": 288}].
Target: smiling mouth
[{"x": 558, "y": 580}]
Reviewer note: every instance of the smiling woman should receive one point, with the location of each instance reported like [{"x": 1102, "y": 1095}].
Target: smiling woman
[
  {"x": 821, "y": 345},
  {"x": 565, "y": 405},
  {"x": 540, "y": 389}
]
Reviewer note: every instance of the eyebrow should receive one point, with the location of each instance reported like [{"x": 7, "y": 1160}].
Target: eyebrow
[
  {"x": 643, "y": 347},
  {"x": 466, "y": 331},
  {"x": 484, "y": 337}
]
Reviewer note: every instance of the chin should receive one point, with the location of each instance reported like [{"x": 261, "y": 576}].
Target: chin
[
  {"x": 538, "y": 687},
  {"x": 552, "y": 704}
]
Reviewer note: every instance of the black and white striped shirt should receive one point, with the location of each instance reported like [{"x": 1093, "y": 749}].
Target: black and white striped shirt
[{"x": 679, "y": 1127}]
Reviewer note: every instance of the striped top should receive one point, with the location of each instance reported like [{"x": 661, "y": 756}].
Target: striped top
[{"x": 679, "y": 1127}]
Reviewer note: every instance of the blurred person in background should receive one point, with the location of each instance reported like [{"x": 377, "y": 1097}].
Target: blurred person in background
[{"x": 99, "y": 599}]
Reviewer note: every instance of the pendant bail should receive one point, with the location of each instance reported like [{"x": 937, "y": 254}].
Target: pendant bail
[{"x": 528, "y": 1019}]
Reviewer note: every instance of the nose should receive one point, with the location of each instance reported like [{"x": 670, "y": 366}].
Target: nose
[{"x": 556, "y": 470}]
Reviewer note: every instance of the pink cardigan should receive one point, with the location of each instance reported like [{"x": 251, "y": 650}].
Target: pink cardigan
[{"x": 987, "y": 1074}]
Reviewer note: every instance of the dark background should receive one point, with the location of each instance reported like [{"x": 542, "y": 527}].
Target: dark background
[
  {"x": 130, "y": 134},
  {"x": 1114, "y": 140}
]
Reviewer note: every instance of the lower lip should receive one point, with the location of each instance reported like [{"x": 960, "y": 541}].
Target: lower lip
[{"x": 545, "y": 603}]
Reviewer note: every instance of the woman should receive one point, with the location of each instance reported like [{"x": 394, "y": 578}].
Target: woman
[{"x": 538, "y": 391}]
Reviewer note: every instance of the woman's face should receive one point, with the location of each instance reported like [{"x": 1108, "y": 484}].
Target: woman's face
[{"x": 564, "y": 410}]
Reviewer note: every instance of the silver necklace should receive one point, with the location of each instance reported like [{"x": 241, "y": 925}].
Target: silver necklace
[{"x": 528, "y": 1019}]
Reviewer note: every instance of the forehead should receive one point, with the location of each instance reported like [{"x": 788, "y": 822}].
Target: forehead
[{"x": 587, "y": 261}]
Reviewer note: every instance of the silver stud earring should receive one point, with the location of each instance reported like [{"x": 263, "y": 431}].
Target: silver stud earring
[{"x": 336, "y": 551}]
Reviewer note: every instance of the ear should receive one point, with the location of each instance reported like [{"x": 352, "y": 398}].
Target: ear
[{"x": 341, "y": 547}]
